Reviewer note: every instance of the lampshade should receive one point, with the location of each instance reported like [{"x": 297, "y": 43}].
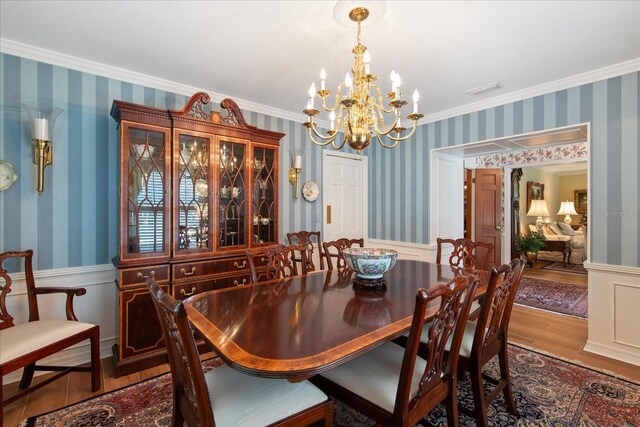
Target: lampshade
[
  {"x": 538, "y": 208},
  {"x": 567, "y": 208}
]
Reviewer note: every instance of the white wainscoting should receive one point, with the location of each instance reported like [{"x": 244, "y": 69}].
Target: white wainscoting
[
  {"x": 614, "y": 312},
  {"x": 97, "y": 306},
  {"x": 407, "y": 250}
]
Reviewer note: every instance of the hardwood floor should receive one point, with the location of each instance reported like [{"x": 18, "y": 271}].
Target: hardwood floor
[{"x": 562, "y": 336}]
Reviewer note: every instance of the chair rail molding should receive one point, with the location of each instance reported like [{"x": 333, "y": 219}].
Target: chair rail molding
[
  {"x": 97, "y": 306},
  {"x": 614, "y": 318}
]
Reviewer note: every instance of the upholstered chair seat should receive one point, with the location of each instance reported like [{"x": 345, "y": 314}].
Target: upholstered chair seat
[
  {"x": 374, "y": 376},
  {"x": 264, "y": 401},
  {"x": 29, "y": 337}
]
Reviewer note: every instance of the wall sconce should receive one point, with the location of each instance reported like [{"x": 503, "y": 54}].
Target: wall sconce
[
  {"x": 294, "y": 173},
  {"x": 41, "y": 118}
]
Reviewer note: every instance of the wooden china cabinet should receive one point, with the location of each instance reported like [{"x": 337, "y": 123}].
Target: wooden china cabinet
[{"x": 196, "y": 190}]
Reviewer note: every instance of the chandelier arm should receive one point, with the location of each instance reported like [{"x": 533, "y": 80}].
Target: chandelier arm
[
  {"x": 385, "y": 132},
  {"x": 329, "y": 139},
  {"x": 403, "y": 138},
  {"x": 339, "y": 147},
  {"x": 376, "y": 88},
  {"x": 385, "y": 145},
  {"x": 313, "y": 127},
  {"x": 337, "y": 99}
]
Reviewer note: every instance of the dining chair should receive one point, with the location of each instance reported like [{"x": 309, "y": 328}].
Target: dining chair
[
  {"x": 305, "y": 238},
  {"x": 487, "y": 337},
  {"x": 334, "y": 249},
  {"x": 465, "y": 253},
  {"x": 22, "y": 345},
  {"x": 238, "y": 399},
  {"x": 393, "y": 385},
  {"x": 278, "y": 259}
]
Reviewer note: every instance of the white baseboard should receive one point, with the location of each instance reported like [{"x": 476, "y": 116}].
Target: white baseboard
[
  {"x": 72, "y": 356},
  {"x": 612, "y": 352}
]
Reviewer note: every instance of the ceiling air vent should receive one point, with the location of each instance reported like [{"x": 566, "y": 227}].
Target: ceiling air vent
[{"x": 484, "y": 88}]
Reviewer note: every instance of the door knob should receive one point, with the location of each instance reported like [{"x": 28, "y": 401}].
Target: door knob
[{"x": 498, "y": 227}]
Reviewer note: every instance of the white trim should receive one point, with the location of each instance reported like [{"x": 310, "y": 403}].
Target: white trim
[
  {"x": 608, "y": 268},
  {"x": 612, "y": 352},
  {"x": 74, "y": 63},
  {"x": 65, "y": 278},
  {"x": 542, "y": 89},
  {"x": 56, "y": 58},
  {"x": 76, "y": 355}
]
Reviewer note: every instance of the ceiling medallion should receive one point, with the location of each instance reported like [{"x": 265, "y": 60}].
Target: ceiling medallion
[{"x": 359, "y": 109}]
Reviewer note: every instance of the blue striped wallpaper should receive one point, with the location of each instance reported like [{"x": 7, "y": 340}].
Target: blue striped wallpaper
[
  {"x": 74, "y": 223},
  {"x": 398, "y": 201}
]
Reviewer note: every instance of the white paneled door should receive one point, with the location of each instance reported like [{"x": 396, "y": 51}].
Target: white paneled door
[{"x": 344, "y": 190}]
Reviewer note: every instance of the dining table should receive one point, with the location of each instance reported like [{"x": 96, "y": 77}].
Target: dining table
[{"x": 300, "y": 326}]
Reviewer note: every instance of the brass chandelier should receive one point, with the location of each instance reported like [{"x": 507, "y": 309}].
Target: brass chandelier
[{"x": 360, "y": 109}]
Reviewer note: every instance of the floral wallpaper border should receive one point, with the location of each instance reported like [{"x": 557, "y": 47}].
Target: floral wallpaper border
[{"x": 576, "y": 150}]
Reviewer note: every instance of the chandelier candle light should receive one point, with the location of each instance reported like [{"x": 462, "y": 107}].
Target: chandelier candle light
[{"x": 359, "y": 104}]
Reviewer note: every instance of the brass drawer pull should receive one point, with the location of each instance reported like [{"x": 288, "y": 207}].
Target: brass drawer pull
[
  {"x": 183, "y": 271},
  {"x": 244, "y": 282},
  {"x": 263, "y": 259},
  {"x": 244, "y": 264},
  {"x": 193, "y": 291},
  {"x": 142, "y": 276}
]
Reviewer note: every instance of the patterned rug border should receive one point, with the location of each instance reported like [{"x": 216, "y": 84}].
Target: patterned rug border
[
  {"x": 551, "y": 311},
  {"x": 536, "y": 303},
  {"x": 30, "y": 421},
  {"x": 576, "y": 362},
  {"x": 547, "y": 267}
]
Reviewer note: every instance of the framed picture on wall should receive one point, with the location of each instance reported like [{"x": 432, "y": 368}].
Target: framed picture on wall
[
  {"x": 535, "y": 191},
  {"x": 580, "y": 200}
]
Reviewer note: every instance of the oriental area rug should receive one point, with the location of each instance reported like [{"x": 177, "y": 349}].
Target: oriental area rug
[
  {"x": 548, "y": 392},
  {"x": 567, "y": 268},
  {"x": 559, "y": 297}
]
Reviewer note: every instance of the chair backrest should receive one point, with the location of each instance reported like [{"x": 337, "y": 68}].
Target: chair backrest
[
  {"x": 190, "y": 395},
  {"x": 448, "y": 322},
  {"x": 279, "y": 261},
  {"x": 465, "y": 253},
  {"x": 6, "y": 320},
  {"x": 305, "y": 238},
  {"x": 493, "y": 320},
  {"x": 334, "y": 249}
]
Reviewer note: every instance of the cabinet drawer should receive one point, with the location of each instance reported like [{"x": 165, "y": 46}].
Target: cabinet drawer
[
  {"x": 129, "y": 277},
  {"x": 182, "y": 291},
  {"x": 202, "y": 269},
  {"x": 230, "y": 281}
]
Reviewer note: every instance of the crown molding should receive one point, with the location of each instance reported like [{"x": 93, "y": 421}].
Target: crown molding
[
  {"x": 542, "y": 89},
  {"x": 34, "y": 53},
  {"x": 56, "y": 58}
]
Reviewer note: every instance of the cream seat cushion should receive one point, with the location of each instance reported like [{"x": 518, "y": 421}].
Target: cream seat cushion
[
  {"x": 467, "y": 339},
  {"x": 375, "y": 375},
  {"x": 25, "y": 338},
  {"x": 239, "y": 399}
]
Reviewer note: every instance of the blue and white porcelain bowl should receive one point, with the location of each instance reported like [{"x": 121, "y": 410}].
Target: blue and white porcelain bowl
[{"x": 369, "y": 263}]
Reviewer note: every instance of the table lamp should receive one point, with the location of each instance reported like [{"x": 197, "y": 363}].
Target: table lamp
[
  {"x": 539, "y": 209},
  {"x": 567, "y": 208}
]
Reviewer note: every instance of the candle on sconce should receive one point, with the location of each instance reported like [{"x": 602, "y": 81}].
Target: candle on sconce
[
  {"x": 323, "y": 76},
  {"x": 40, "y": 129},
  {"x": 332, "y": 117},
  {"x": 416, "y": 98},
  {"x": 297, "y": 164},
  {"x": 348, "y": 82}
]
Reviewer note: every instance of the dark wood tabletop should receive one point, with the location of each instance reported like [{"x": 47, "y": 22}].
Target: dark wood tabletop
[{"x": 298, "y": 327}]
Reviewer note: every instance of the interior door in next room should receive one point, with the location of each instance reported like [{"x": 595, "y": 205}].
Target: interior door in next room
[{"x": 488, "y": 211}]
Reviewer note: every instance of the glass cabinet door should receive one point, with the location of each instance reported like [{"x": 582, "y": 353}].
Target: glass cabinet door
[
  {"x": 145, "y": 192},
  {"x": 265, "y": 208},
  {"x": 232, "y": 207},
  {"x": 192, "y": 181}
]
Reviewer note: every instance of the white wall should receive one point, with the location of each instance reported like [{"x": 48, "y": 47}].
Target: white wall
[{"x": 569, "y": 183}]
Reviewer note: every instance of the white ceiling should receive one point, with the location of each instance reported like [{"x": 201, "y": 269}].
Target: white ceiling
[{"x": 268, "y": 52}]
